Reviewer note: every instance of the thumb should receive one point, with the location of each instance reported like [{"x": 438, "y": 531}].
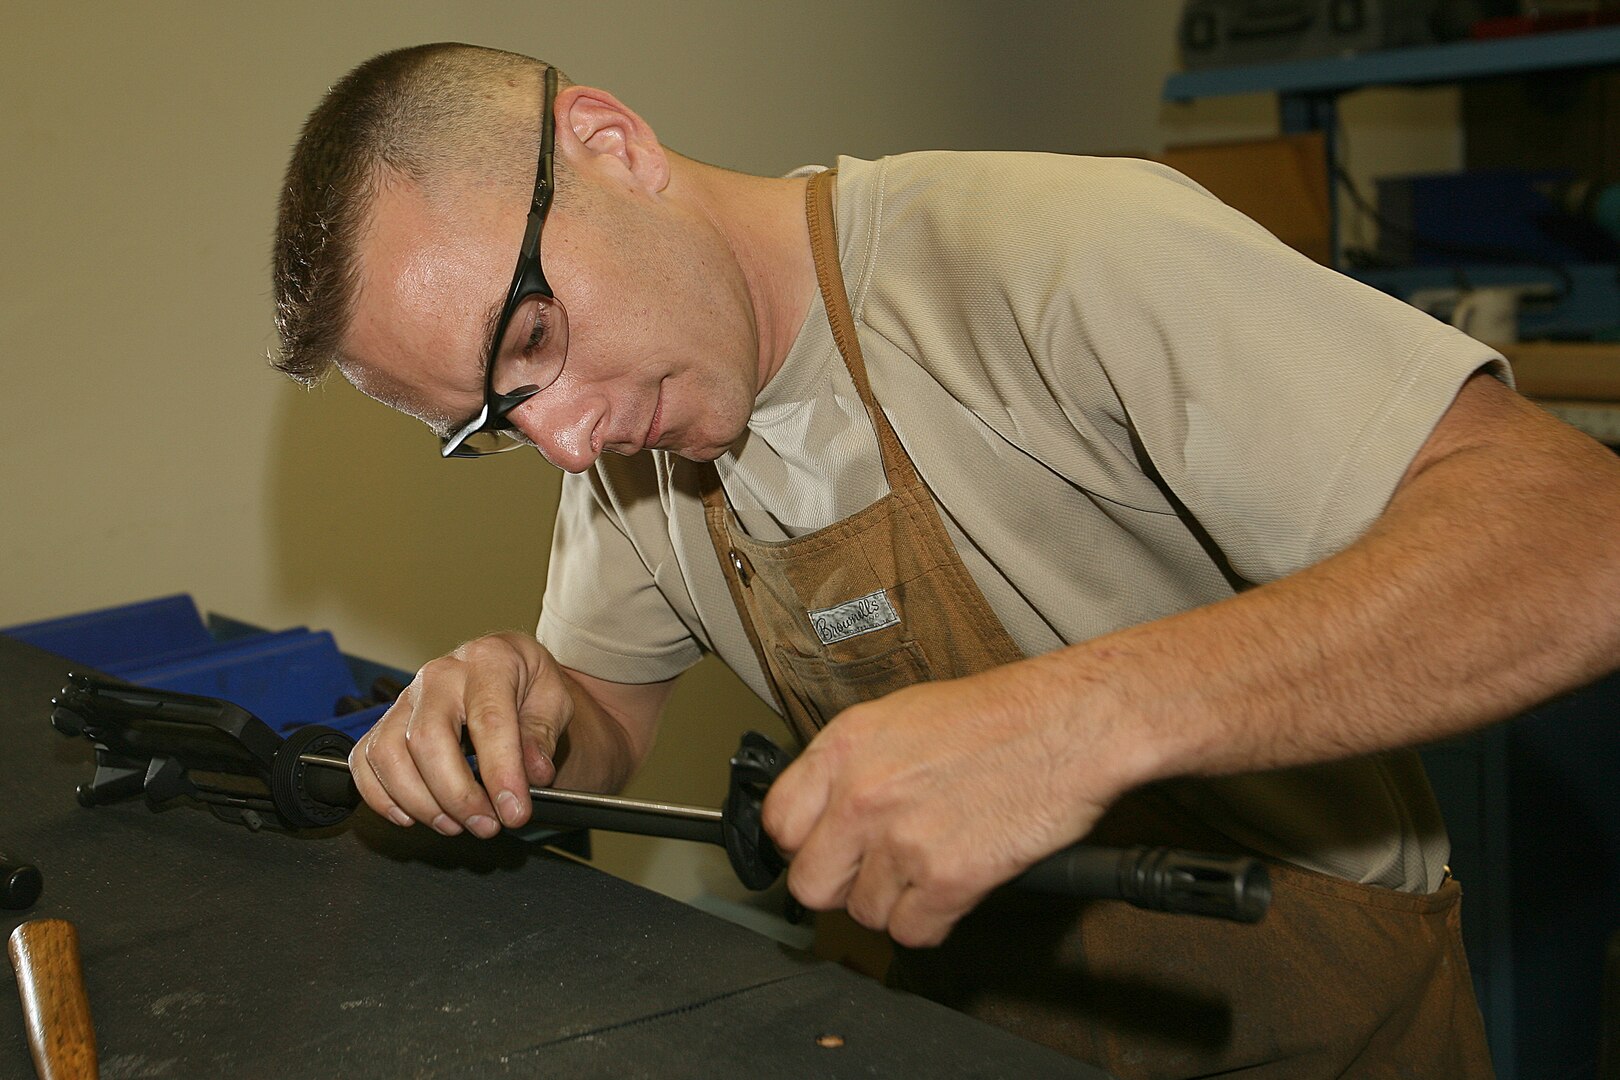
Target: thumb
[
  {"x": 539, "y": 757},
  {"x": 543, "y": 716}
]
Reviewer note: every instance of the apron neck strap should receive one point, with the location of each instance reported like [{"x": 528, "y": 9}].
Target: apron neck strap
[{"x": 897, "y": 466}]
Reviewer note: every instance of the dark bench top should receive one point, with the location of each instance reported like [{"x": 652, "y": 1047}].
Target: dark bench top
[{"x": 372, "y": 951}]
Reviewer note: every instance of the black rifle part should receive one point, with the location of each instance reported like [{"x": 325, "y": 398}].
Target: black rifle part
[{"x": 164, "y": 745}]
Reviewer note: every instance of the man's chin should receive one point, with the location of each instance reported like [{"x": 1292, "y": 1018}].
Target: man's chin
[{"x": 703, "y": 454}]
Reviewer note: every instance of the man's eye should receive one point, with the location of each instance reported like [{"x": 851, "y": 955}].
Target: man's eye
[{"x": 537, "y": 333}]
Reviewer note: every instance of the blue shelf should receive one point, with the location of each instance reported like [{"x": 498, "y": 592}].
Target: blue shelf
[{"x": 1425, "y": 64}]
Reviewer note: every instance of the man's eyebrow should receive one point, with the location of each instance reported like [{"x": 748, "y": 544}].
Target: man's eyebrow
[
  {"x": 400, "y": 401},
  {"x": 490, "y": 319},
  {"x": 443, "y": 428}
]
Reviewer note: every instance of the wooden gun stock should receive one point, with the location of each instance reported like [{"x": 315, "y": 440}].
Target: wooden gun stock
[{"x": 45, "y": 953}]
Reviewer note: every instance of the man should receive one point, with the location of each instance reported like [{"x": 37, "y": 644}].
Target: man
[{"x": 1046, "y": 498}]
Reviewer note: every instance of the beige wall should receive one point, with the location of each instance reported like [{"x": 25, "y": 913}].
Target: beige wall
[{"x": 146, "y": 448}]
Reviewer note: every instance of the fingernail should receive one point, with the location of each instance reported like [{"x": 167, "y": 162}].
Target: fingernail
[
  {"x": 444, "y": 825},
  {"x": 483, "y": 826},
  {"x": 400, "y": 817},
  {"x": 506, "y": 805}
]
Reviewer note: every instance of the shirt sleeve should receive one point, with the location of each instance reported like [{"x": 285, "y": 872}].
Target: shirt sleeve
[
  {"x": 1280, "y": 401},
  {"x": 603, "y": 612}
]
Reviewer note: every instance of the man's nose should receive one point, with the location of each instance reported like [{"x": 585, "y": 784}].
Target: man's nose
[{"x": 561, "y": 428}]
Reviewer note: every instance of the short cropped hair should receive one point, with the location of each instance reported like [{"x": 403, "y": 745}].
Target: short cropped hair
[{"x": 429, "y": 113}]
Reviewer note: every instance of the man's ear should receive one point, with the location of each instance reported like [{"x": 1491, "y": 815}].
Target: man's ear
[{"x": 596, "y": 129}]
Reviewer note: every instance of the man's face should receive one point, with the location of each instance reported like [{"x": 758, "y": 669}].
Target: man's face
[{"x": 662, "y": 350}]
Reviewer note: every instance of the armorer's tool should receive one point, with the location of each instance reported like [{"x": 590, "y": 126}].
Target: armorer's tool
[{"x": 164, "y": 745}]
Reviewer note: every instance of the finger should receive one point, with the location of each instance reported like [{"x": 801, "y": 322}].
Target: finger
[
  {"x": 825, "y": 867},
  {"x": 433, "y": 740},
  {"x": 493, "y": 689},
  {"x": 877, "y": 885},
  {"x": 370, "y": 787},
  {"x": 922, "y": 916},
  {"x": 387, "y": 760},
  {"x": 796, "y": 801}
]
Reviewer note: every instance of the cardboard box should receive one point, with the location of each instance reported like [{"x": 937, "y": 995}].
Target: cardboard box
[
  {"x": 1568, "y": 371},
  {"x": 1281, "y": 183}
]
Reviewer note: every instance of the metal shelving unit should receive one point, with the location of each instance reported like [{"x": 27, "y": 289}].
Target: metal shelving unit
[
  {"x": 1508, "y": 817},
  {"x": 1308, "y": 91},
  {"x": 1429, "y": 64}
]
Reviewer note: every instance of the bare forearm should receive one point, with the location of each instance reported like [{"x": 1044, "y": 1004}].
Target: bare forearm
[
  {"x": 1490, "y": 582},
  {"x": 610, "y": 733},
  {"x": 1489, "y": 585},
  {"x": 593, "y": 753}
]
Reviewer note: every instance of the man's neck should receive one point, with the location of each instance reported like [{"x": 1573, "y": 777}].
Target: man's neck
[{"x": 762, "y": 221}]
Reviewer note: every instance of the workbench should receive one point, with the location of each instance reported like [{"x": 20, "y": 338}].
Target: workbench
[{"x": 366, "y": 950}]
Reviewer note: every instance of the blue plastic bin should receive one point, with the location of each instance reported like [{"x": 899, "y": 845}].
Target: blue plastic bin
[{"x": 287, "y": 678}]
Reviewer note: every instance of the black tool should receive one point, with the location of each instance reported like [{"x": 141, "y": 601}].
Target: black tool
[
  {"x": 162, "y": 744},
  {"x": 20, "y": 883}
]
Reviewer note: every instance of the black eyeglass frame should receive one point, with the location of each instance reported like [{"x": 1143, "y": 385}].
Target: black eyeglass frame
[{"x": 527, "y": 280}]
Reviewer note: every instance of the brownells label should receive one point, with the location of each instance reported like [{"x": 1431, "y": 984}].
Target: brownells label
[{"x": 854, "y": 617}]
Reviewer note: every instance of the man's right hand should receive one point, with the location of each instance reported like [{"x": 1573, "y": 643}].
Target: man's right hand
[{"x": 515, "y": 702}]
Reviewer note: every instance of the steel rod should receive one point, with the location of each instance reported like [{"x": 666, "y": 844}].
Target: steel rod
[{"x": 590, "y": 810}]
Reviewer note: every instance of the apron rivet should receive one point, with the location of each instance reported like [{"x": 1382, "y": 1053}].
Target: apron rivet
[{"x": 740, "y": 564}]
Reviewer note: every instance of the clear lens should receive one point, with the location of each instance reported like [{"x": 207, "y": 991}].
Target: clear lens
[
  {"x": 533, "y": 349},
  {"x": 490, "y": 442},
  {"x": 534, "y": 346}
]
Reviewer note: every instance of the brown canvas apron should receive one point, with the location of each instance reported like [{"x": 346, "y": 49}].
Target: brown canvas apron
[{"x": 1340, "y": 979}]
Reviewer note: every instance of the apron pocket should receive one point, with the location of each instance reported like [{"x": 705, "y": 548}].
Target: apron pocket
[{"x": 826, "y": 688}]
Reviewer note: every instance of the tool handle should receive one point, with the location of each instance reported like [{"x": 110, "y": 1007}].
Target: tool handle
[
  {"x": 45, "y": 954},
  {"x": 1158, "y": 879}
]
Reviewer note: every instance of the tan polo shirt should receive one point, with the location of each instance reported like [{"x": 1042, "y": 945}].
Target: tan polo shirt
[{"x": 1127, "y": 400}]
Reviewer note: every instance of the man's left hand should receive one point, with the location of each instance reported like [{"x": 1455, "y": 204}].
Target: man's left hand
[{"x": 907, "y": 810}]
